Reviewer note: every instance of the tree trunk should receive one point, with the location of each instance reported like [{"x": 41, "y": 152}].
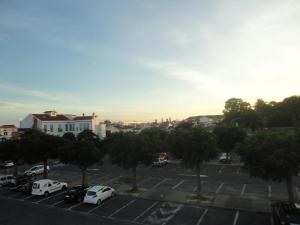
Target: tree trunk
[
  {"x": 199, "y": 185},
  {"x": 134, "y": 186},
  {"x": 45, "y": 174},
  {"x": 227, "y": 154},
  {"x": 289, "y": 185},
  {"x": 83, "y": 173},
  {"x": 15, "y": 171}
]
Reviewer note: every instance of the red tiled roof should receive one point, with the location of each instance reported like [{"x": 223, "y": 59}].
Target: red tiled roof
[
  {"x": 8, "y": 126},
  {"x": 83, "y": 118},
  {"x": 46, "y": 117}
]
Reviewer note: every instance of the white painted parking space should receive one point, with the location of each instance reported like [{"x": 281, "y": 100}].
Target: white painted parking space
[
  {"x": 123, "y": 207},
  {"x": 56, "y": 203},
  {"x": 145, "y": 211},
  {"x": 243, "y": 189},
  {"x": 221, "y": 169},
  {"x": 202, "y": 217},
  {"x": 236, "y": 217},
  {"x": 51, "y": 196},
  {"x": 219, "y": 188},
  {"x": 74, "y": 206},
  {"x": 28, "y": 197},
  {"x": 159, "y": 183},
  {"x": 178, "y": 184}
]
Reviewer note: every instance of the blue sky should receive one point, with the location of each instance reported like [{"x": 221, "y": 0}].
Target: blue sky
[{"x": 145, "y": 59}]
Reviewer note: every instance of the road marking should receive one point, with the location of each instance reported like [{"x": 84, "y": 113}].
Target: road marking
[
  {"x": 148, "y": 178},
  {"x": 73, "y": 206},
  {"x": 202, "y": 217},
  {"x": 220, "y": 170},
  {"x": 51, "y": 196},
  {"x": 219, "y": 188},
  {"x": 111, "y": 180},
  {"x": 243, "y": 189},
  {"x": 191, "y": 175},
  {"x": 238, "y": 171},
  {"x": 56, "y": 203},
  {"x": 94, "y": 208},
  {"x": 236, "y": 217},
  {"x": 269, "y": 191},
  {"x": 159, "y": 183},
  {"x": 30, "y": 196},
  {"x": 177, "y": 185},
  {"x": 143, "y": 213},
  {"x": 123, "y": 207},
  {"x": 195, "y": 188}
]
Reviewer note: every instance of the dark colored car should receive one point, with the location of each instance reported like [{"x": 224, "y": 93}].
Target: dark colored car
[
  {"x": 76, "y": 193},
  {"x": 286, "y": 213},
  {"x": 26, "y": 187}
]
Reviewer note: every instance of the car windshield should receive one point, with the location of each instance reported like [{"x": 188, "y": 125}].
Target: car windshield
[
  {"x": 36, "y": 185},
  {"x": 91, "y": 193}
]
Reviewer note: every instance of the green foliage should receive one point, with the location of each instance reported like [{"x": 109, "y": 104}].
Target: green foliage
[
  {"x": 192, "y": 145},
  {"x": 155, "y": 139},
  {"x": 228, "y": 137},
  {"x": 127, "y": 150},
  {"x": 271, "y": 155}
]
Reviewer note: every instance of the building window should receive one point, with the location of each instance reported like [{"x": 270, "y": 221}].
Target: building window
[
  {"x": 59, "y": 129},
  {"x": 5, "y": 133},
  {"x": 45, "y": 128},
  {"x": 67, "y": 128},
  {"x": 51, "y": 127}
]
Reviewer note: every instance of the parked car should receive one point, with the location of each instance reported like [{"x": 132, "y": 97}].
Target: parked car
[
  {"x": 38, "y": 169},
  {"x": 7, "y": 164},
  {"x": 223, "y": 158},
  {"x": 286, "y": 213},
  {"x": 25, "y": 187},
  {"x": 97, "y": 194},
  {"x": 159, "y": 162},
  {"x": 47, "y": 186},
  {"x": 6, "y": 180},
  {"x": 76, "y": 193}
]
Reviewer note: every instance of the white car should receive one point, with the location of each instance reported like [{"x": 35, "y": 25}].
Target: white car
[
  {"x": 38, "y": 169},
  {"x": 6, "y": 179},
  {"x": 97, "y": 194},
  {"x": 47, "y": 186},
  {"x": 7, "y": 164}
]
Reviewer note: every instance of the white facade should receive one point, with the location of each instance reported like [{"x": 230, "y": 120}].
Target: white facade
[
  {"x": 55, "y": 124},
  {"x": 7, "y": 131}
]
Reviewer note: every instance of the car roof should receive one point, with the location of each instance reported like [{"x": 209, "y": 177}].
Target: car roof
[
  {"x": 5, "y": 175},
  {"x": 43, "y": 181},
  {"x": 97, "y": 188}
]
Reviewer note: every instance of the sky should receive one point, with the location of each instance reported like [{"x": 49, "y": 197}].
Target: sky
[{"x": 141, "y": 60}]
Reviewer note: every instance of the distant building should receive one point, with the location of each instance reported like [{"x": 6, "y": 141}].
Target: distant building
[
  {"x": 51, "y": 122},
  {"x": 8, "y": 132}
]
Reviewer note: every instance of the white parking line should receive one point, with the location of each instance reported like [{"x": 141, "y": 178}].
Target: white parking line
[
  {"x": 113, "y": 179},
  {"x": 269, "y": 191},
  {"x": 148, "y": 178},
  {"x": 238, "y": 171},
  {"x": 94, "y": 208},
  {"x": 50, "y": 196},
  {"x": 73, "y": 206},
  {"x": 202, "y": 217},
  {"x": 30, "y": 196},
  {"x": 159, "y": 183},
  {"x": 177, "y": 185},
  {"x": 123, "y": 207},
  {"x": 220, "y": 170},
  {"x": 56, "y": 203},
  {"x": 144, "y": 212},
  {"x": 219, "y": 188},
  {"x": 243, "y": 189},
  {"x": 236, "y": 217}
]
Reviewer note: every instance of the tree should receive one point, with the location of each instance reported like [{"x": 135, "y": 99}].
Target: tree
[
  {"x": 83, "y": 151},
  {"x": 193, "y": 146},
  {"x": 273, "y": 156},
  {"x": 40, "y": 147},
  {"x": 12, "y": 150},
  {"x": 228, "y": 137},
  {"x": 128, "y": 150},
  {"x": 155, "y": 139}
]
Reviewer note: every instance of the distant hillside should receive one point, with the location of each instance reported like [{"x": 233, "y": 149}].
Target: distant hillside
[{"x": 214, "y": 117}]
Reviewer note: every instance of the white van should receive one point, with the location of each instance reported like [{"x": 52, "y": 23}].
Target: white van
[
  {"x": 6, "y": 179},
  {"x": 47, "y": 186}
]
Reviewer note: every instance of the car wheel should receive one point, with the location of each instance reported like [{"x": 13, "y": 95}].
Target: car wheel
[
  {"x": 99, "y": 202},
  {"x": 46, "y": 194},
  {"x": 79, "y": 199},
  {"x": 113, "y": 194},
  {"x": 63, "y": 188}
]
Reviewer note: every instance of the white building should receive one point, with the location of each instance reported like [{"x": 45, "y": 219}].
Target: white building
[
  {"x": 7, "y": 132},
  {"x": 58, "y": 124}
]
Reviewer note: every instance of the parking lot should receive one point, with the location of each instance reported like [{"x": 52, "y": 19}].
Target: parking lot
[
  {"x": 144, "y": 211},
  {"x": 237, "y": 198}
]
